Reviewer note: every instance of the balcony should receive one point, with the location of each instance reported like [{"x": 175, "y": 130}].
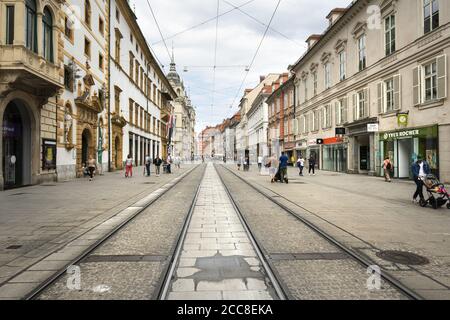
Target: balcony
[{"x": 24, "y": 70}]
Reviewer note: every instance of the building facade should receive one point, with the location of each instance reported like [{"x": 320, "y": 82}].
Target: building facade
[
  {"x": 379, "y": 74},
  {"x": 30, "y": 90}
]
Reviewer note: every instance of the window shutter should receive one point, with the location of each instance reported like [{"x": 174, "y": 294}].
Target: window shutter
[
  {"x": 354, "y": 107},
  {"x": 336, "y": 113},
  {"x": 442, "y": 77},
  {"x": 324, "y": 117},
  {"x": 345, "y": 113},
  {"x": 397, "y": 92},
  {"x": 416, "y": 86},
  {"x": 330, "y": 118},
  {"x": 380, "y": 96}
]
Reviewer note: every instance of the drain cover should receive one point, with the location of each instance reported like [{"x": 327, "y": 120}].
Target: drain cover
[
  {"x": 48, "y": 185},
  {"x": 19, "y": 194},
  {"x": 149, "y": 183},
  {"x": 402, "y": 257}
]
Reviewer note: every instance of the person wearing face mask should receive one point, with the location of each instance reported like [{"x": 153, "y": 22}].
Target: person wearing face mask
[{"x": 420, "y": 170}]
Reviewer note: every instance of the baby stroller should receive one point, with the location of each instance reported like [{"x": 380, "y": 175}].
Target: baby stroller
[
  {"x": 437, "y": 194},
  {"x": 278, "y": 177}
]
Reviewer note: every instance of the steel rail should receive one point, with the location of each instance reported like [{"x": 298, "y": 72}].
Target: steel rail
[
  {"x": 279, "y": 286},
  {"x": 51, "y": 280},
  {"x": 358, "y": 257}
]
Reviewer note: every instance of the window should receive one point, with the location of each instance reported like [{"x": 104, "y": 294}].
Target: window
[
  {"x": 430, "y": 77},
  {"x": 389, "y": 31},
  {"x": 130, "y": 112},
  {"x": 430, "y": 81},
  {"x": 131, "y": 65},
  {"x": 327, "y": 75},
  {"x": 361, "y": 105},
  {"x": 362, "y": 52},
  {"x": 136, "y": 115},
  {"x": 315, "y": 83},
  {"x": 326, "y": 117},
  {"x": 47, "y": 29},
  {"x": 316, "y": 117},
  {"x": 342, "y": 63},
  {"x": 431, "y": 15},
  {"x": 118, "y": 38},
  {"x": 101, "y": 26},
  {"x": 87, "y": 13},
  {"x": 101, "y": 61},
  {"x": 341, "y": 111},
  {"x": 117, "y": 14},
  {"x": 31, "y": 36},
  {"x": 9, "y": 24},
  {"x": 305, "y": 86},
  {"x": 68, "y": 78},
  {"x": 68, "y": 29},
  {"x": 389, "y": 89},
  {"x": 87, "y": 47},
  {"x": 117, "y": 92}
]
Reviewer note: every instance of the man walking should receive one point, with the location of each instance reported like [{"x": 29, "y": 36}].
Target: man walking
[
  {"x": 283, "y": 167},
  {"x": 312, "y": 165},
  {"x": 148, "y": 162},
  {"x": 420, "y": 170},
  {"x": 169, "y": 163},
  {"x": 301, "y": 165},
  {"x": 157, "y": 162},
  {"x": 260, "y": 160}
]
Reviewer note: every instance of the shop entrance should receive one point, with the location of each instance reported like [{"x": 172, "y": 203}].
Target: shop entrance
[
  {"x": 85, "y": 139},
  {"x": 405, "y": 150},
  {"x": 16, "y": 138}
]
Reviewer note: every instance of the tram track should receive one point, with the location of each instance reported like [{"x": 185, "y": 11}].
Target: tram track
[
  {"x": 361, "y": 260},
  {"x": 138, "y": 209}
]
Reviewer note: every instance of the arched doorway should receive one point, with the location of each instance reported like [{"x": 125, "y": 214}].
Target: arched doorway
[
  {"x": 85, "y": 146},
  {"x": 117, "y": 163},
  {"x": 16, "y": 151}
]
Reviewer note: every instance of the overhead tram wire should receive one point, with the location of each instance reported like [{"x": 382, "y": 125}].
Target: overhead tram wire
[
  {"x": 262, "y": 23},
  {"x": 203, "y": 23},
  {"x": 256, "y": 53},
  {"x": 159, "y": 29},
  {"x": 215, "y": 56}
]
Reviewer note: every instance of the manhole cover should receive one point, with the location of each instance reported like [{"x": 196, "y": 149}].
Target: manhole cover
[
  {"x": 48, "y": 185},
  {"x": 402, "y": 257},
  {"x": 14, "y": 247}
]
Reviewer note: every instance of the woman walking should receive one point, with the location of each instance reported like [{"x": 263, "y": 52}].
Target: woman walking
[
  {"x": 387, "y": 167},
  {"x": 129, "y": 167},
  {"x": 312, "y": 165},
  {"x": 273, "y": 168},
  {"x": 92, "y": 166},
  {"x": 301, "y": 165}
]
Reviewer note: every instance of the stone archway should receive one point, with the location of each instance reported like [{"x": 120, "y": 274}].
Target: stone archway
[
  {"x": 19, "y": 146},
  {"x": 86, "y": 148},
  {"x": 117, "y": 153}
]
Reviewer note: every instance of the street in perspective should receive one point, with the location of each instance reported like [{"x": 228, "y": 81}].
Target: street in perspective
[{"x": 225, "y": 150}]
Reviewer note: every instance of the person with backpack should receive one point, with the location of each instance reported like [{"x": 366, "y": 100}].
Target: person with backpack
[
  {"x": 312, "y": 165},
  {"x": 283, "y": 167},
  {"x": 420, "y": 170},
  {"x": 301, "y": 165},
  {"x": 148, "y": 162},
  {"x": 387, "y": 167}
]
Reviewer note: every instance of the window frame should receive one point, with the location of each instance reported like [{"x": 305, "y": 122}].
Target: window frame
[
  {"x": 362, "y": 60},
  {"x": 391, "y": 30}
]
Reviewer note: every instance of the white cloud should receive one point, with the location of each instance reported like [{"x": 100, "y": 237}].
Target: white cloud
[{"x": 238, "y": 38}]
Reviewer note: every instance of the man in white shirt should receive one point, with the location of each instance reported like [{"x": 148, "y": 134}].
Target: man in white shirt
[{"x": 260, "y": 160}]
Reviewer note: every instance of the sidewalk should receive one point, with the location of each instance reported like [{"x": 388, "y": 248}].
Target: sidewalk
[
  {"x": 35, "y": 221},
  {"x": 369, "y": 215}
]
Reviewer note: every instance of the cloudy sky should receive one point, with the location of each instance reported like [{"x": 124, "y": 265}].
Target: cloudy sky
[{"x": 239, "y": 33}]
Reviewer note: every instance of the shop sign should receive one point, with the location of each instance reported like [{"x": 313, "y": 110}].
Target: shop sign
[
  {"x": 312, "y": 142},
  {"x": 333, "y": 140},
  {"x": 373, "y": 127},
  {"x": 402, "y": 119},
  {"x": 340, "y": 131},
  {"x": 400, "y": 134},
  {"x": 289, "y": 145},
  {"x": 302, "y": 144}
]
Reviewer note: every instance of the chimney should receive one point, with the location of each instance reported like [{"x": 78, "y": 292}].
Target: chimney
[
  {"x": 335, "y": 14},
  {"x": 312, "y": 40}
]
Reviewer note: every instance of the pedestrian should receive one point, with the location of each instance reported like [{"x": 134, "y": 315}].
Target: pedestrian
[
  {"x": 129, "y": 167},
  {"x": 158, "y": 162},
  {"x": 312, "y": 165},
  {"x": 301, "y": 165},
  {"x": 283, "y": 167},
  {"x": 260, "y": 161},
  {"x": 148, "y": 162},
  {"x": 92, "y": 166},
  {"x": 169, "y": 161},
  {"x": 240, "y": 163},
  {"x": 387, "y": 167},
  {"x": 420, "y": 170},
  {"x": 273, "y": 168},
  {"x": 178, "y": 159},
  {"x": 247, "y": 163}
]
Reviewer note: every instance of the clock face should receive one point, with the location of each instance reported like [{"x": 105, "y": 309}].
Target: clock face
[{"x": 403, "y": 119}]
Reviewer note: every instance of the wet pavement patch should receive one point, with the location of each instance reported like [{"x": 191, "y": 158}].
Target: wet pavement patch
[
  {"x": 219, "y": 268},
  {"x": 403, "y": 257}
]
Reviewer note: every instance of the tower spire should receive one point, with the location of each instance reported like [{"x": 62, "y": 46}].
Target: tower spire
[{"x": 172, "y": 63}]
